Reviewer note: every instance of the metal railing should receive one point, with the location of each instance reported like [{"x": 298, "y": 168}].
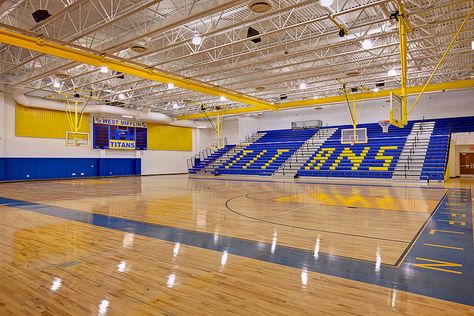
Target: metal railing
[
  {"x": 414, "y": 145},
  {"x": 299, "y": 154},
  {"x": 205, "y": 153}
]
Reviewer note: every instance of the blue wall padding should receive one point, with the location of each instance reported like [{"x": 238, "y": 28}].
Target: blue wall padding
[{"x": 12, "y": 169}]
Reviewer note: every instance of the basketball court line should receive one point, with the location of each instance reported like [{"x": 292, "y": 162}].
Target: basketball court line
[
  {"x": 304, "y": 228},
  {"x": 427, "y": 282},
  {"x": 325, "y": 183},
  {"x": 418, "y": 234}
]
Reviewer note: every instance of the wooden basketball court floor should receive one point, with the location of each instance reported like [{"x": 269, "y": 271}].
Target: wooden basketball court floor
[{"x": 173, "y": 245}]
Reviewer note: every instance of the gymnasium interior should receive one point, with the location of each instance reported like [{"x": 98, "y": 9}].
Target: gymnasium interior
[{"x": 245, "y": 157}]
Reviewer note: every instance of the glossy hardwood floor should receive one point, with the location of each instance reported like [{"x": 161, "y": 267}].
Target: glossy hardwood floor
[{"x": 53, "y": 266}]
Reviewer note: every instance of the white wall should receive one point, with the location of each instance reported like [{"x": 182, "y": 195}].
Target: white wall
[
  {"x": 434, "y": 105},
  {"x": 460, "y": 143},
  {"x": 248, "y": 124},
  {"x": 153, "y": 162},
  {"x": 230, "y": 130}
]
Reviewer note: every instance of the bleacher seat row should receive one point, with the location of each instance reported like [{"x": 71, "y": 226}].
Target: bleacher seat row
[
  {"x": 375, "y": 159},
  {"x": 200, "y": 164},
  {"x": 267, "y": 154}
]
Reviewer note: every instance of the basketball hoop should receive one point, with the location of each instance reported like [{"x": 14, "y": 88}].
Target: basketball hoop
[{"x": 384, "y": 124}]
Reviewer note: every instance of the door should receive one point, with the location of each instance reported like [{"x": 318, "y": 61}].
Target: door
[{"x": 466, "y": 162}]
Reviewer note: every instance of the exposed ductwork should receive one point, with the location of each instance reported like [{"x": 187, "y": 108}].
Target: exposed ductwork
[{"x": 146, "y": 116}]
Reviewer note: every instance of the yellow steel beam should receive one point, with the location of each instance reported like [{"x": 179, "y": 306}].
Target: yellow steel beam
[
  {"x": 455, "y": 85},
  {"x": 403, "y": 27},
  {"x": 51, "y": 48},
  {"x": 442, "y": 59}
]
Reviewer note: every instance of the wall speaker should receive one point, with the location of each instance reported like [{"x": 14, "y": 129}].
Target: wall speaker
[{"x": 251, "y": 32}]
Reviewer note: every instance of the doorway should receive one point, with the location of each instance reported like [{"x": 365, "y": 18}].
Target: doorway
[{"x": 466, "y": 163}]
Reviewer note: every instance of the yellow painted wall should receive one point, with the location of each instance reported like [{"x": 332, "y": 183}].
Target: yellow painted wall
[
  {"x": 166, "y": 137},
  {"x": 42, "y": 123}
]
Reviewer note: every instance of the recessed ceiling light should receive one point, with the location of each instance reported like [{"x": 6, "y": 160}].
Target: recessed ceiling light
[
  {"x": 104, "y": 69},
  {"x": 222, "y": 98},
  {"x": 260, "y": 6},
  {"x": 170, "y": 85},
  {"x": 303, "y": 85},
  {"x": 139, "y": 46},
  {"x": 367, "y": 44}
]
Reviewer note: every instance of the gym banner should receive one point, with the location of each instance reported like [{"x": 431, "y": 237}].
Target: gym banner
[
  {"x": 122, "y": 144},
  {"x": 119, "y": 134},
  {"x": 118, "y": 122}
]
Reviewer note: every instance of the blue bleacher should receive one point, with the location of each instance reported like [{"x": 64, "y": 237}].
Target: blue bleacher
[
  {"x": 267, "y": 154},
  {"x": 274, "y": 147},
  {"x": 209, "y": 159},
  {"x": 434, "y": 167},
  {"x": 364, "y": 169}
]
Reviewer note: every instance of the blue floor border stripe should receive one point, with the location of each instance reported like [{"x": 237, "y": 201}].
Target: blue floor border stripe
[
  {"x": 407, "y": 277},
  {"x": 316, "y": 182}
]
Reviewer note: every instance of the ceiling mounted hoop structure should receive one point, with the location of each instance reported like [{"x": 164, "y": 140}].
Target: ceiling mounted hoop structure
[{"x": 75, "y": 105}]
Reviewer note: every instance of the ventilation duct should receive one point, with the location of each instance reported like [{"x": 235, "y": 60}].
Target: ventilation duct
[{"x": 146, "y": 116}]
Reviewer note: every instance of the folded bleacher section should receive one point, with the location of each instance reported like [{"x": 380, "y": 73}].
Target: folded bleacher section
[
  {"x": 375, "y": 159},
  {"x": 264, "y": 156},
  {"x": 200, "y": 164},
  {"x": 434, "y": 167}
]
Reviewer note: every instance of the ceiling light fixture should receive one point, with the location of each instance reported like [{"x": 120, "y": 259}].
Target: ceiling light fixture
[
  {"x": 175, "y": 105},
  {"x": 170, "y": 85},
  {"x": 303, "y": 85},
  {"x": 56, "y": 84},
  {"x": 121, "y": 96},
  {"x": 104, "y": 69},
  {"x": 376, "y": 89},
  {"x": 222, "y": 98},
  {"x": 127, "y": 116},
  {"x": 326, "y": 3},
  {"x": 367, "y": 44},
  {"x": 392, "y": 72},
  {"x": 197, "y": 39}
]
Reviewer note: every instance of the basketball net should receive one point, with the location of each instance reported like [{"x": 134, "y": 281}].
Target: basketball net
[{"x": 385, "y": 125}]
